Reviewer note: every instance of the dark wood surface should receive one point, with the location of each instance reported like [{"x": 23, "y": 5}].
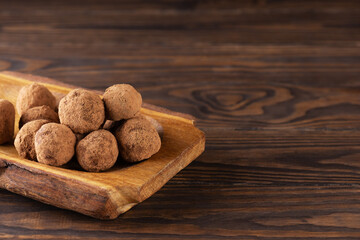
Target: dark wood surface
[{"x": 275, "y": 85}]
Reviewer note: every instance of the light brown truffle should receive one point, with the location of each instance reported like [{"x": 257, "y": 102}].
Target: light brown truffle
[
  {"x": 24, "y": 141},
  {"x": 41, "y": 112},
  {"x": 82, "y": 111},
  {"x": 137, "y": 139},
  {"x": 98, "y": 151},
  {"x": 32, "y": 96},
  {"x": 7, "y": 119},
  {"x": 159, "y": 128},
  {"x": 112, "y": 125},
  {"x": 54, "y": 144},
  {"x": 122, "y": 101}
]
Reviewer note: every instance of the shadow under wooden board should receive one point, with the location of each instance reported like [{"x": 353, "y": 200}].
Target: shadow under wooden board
[{"x": 102, "y": 195}]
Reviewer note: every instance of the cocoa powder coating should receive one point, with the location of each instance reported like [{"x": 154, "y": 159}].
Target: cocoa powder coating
[
  {"x": 7, "y": 119},
  {"x": 32, "y": 96},
  {"x": 122, "y": 101},
  {"x": 81, "y": 114},
  {"x": 98, "y": 151},
  {"x": 24, "y": 141},
  {"x": 41, "y": 112},
  {"x": 159, "y": 128},
  {"x": 54, "y": 144},
  {"x": 137, "y": 139},
  {"x": 82, "y": 111}
]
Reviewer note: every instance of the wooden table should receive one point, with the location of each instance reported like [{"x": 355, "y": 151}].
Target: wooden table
[{"x": 275, "y": 85}]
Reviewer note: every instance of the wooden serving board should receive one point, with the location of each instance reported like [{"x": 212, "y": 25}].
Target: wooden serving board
[{"x": 101, "y": 195}]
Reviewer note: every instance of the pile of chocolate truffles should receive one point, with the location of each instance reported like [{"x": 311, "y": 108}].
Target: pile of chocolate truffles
[{"x": 94, "y": 130}]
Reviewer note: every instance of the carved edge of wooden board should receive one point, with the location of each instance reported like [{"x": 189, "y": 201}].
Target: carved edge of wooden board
[{"x": 111, "y": 203}]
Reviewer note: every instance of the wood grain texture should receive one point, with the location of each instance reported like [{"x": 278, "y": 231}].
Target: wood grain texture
[{"x": 273, "y": 84}]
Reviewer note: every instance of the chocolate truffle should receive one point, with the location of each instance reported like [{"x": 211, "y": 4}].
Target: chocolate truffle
[
  {"x": 112, "y": 125},
  {"x": 122, "y": 101},
  {"x": 41, "y": 112},
  {"x": 98, "y": 151},
  {"x": 7, "y": 119},
  {"x": 32, "y": 96},
  {"x": 156, "y": 124},
  {"x": 54, "y": 144},
  {"x": 82, "y": 111},
  {"x": 137, "y": 139},
  {"x": 24, "y": 141}
]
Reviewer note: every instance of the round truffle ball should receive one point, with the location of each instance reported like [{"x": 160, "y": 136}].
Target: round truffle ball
[
  {"x": 41, "y": 112},
  {"x": 82, "y": 111},
  {"x": 122, "y": 101},
  {"x": 54, "y": 144},
  {"x": 137, "y": 139},
  {"x": 32, "y": 96},
  {"x": 98, "y": 151},
  {"x": 24, "y": 141},
  {"x": 7, "y": 119},
  {"x": 159, "y": 128}
]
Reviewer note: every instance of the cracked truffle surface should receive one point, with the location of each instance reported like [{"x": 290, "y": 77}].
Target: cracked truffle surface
[
  {"x": 32, "y": 96},
  {"x": 24, "y": 141},
  {"x": 137, "y": 139},
  {"x": 7, "y": 119},
  {"x": 54, "y": 144},
  {"x": 122, "y": 101},
  {"x": 82, "y": 111},
  {"x": 41, "y": 112},
  {"x": 98, "y": 151}
]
